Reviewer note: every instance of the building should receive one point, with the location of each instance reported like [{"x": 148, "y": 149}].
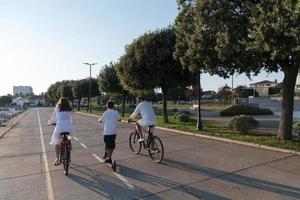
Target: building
[
  {"x": 22, "y": 90},
  {"x": 262, "y": 87}
]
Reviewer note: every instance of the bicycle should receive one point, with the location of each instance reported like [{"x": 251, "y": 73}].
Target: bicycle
[
  {"x": 152, "y": 143},
  {"x": 65, "y": 152}
]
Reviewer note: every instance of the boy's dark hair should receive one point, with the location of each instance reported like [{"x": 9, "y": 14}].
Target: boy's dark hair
[
  {"x": 140, "y": 98},
  {"x": 110, "y": 104},
  {"x": 64, "y": 105}
]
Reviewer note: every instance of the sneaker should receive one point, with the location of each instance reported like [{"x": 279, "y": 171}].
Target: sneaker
[
  {"x": 108, "y": 160},
  {"x": 56, "y": 162},
  {"x": 141, "y": 140}
]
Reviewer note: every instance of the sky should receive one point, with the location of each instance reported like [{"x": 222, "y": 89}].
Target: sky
[{"x": 44, "y": 41}]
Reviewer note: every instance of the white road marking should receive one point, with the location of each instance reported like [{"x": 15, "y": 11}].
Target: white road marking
[
  {"x": 122, "y": 178},
  {"x": 75, "y": 138},
  {"x": 83, "y": 145},
  {"x": 50, "y": 193},
  {"x": 99, "y": 159}
]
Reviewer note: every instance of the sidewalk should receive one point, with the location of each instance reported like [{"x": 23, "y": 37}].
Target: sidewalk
[{"x": 11, "y": 123}]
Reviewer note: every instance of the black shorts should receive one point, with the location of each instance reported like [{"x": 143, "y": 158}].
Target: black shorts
[{"x": 110, "y": 141}]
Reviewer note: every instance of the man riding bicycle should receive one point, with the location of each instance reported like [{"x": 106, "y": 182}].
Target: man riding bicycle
[{"x": 148, "y": 116}]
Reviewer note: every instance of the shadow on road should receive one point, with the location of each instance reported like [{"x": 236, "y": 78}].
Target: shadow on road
[
  {"x": 112, "y": 188},
  {"x": 235, "y": 178},
  {"x": 175, "y": 186},
  {"x": 105, "y": 185}
]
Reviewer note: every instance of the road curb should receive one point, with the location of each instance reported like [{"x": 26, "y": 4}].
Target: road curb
[
  {"x": 218, "y": 138},
  {"x": 14, "y": 124}
]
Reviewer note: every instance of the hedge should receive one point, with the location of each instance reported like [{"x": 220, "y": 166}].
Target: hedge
[{"x": 245, "y": 110}]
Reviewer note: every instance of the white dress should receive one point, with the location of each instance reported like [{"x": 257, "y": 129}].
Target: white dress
[{"x": 64, "y": 123}]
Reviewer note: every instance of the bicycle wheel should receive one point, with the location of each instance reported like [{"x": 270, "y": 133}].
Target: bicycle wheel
[
  {"x": 133, "y": 144},
  {"x": 66, "y": 159},
  {"x": 156, "y": 149}
]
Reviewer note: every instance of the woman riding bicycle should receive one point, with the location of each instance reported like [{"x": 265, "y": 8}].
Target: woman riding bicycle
[
  {"x": 62, "y": 117},
  {"x": 147, "y": 113}
]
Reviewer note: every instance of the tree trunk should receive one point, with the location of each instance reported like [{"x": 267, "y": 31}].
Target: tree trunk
[
  {"x": 79, "y": 104},
  {"x": 288, "y": 88},
  {"x": 199, "y": 121},
  {"x": 164, "y": 99},
  {"x": 88, "y": 106},
  {"x": 123, "y": 104}
]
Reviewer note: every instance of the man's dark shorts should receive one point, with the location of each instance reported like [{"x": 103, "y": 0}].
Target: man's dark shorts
[{"x": 109, "y": 141}]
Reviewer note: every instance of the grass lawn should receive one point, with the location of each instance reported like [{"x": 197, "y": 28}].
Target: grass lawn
[
  {"x": 214, "y": 106},
  {"x": 204, "y": 106},
  {"x": 215, "y": 130}
]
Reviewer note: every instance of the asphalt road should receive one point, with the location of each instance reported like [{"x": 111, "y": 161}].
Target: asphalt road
[{"x": 193, "y": 168}]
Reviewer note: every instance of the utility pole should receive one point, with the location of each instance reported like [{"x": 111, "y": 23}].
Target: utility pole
[{"x": 90, "y": 85}]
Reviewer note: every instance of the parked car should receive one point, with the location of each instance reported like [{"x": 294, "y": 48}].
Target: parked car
[{"x": 3, "y": 117}]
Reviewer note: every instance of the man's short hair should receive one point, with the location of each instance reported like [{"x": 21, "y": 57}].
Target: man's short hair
[
  {"x": 140, "y": 98},
  {"x": 110, "y": 104}
]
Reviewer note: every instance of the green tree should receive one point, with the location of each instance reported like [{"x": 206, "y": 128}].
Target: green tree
[
  {"x": 177, "y": 93},
  {"x": 52, "y": 95},
  {"x": 109, "y": 83},
  {"x": 225, "y": 94},
  {"x": 244, "y": 37},
  {"x": 65, "y": 90},
  {"x": 148, "y": 64},
  {"x": 5, "y": 100},
  {"x": 80, "y": 90},
  {"x": 274, "y": 31},
  {"x": 210, "y": 34},
  {"x": 185, "y": 29}
]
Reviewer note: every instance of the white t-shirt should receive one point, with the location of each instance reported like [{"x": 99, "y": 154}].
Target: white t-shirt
[
  {"x": 147, "y": 113},
  {"x": 110, "y": 119}
]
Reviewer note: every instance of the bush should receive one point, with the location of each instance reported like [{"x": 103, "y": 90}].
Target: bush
[
  {"x": 174, "y": 110},
  {"x": 245, "y": 93},
  {"x": 243, "y": 124},
  {"x": 297, "y": 128},
  {"x": 186, "y": 112},
  {"x": 178, "y": 113},
  {"x": 131, "y": 106},
  {"x": 274, "y": 90},
  {"x": 183, "y": 118},
  {"x": 245, "y": 110}
]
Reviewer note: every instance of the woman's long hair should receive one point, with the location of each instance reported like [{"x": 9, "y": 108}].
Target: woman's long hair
[{"x": 63, "y": 105}]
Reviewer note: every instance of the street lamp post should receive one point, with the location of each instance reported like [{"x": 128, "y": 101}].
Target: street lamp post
[
  {"x": 232, "y": 94},
  {"x": 199, "y": 121},
  {"x": 90, "y": 86}
]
